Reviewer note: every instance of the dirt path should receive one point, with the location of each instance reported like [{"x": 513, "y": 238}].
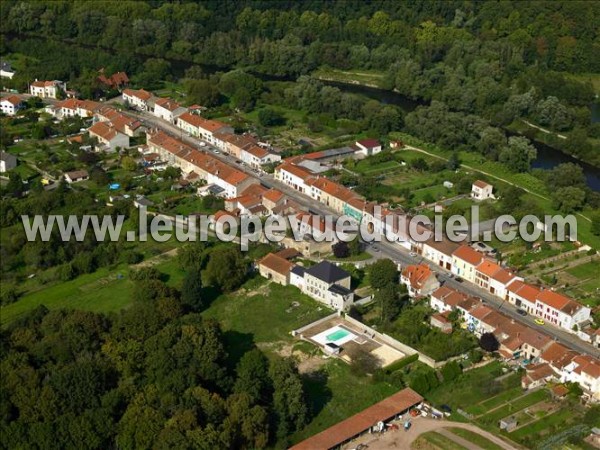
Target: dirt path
[
  {"x": 402, "y": 440},
  {"x": 459, "y": 440},
  {"x": 157, "y": 259}
]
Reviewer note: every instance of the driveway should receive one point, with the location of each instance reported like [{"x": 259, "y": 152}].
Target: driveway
[{"x": 402, "y": 440}]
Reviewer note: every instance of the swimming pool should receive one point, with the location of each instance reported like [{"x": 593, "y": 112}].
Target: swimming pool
[{"x": 337, "y": 335}]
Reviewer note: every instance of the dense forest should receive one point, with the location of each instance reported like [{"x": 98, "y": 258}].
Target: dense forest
[
  {"x": 489, "y": 63},
  {"x": 156, "y": 375}
]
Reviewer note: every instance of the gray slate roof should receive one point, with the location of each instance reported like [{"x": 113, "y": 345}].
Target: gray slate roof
[{"x": 328, "y": 272}]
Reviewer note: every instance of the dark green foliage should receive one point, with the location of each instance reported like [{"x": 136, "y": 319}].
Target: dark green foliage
[
  {"x": 488, "y": 342},
  {"x": 383, "y": 273}
]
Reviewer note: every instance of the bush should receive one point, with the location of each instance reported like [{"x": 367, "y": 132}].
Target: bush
[{"x": 401, "y": 363}]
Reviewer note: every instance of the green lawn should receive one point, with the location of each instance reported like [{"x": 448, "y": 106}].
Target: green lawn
[
  {"x": 438, "y": 441},
  {"x": 265, "y": 310},
  {"x": 475, "y": 438}
]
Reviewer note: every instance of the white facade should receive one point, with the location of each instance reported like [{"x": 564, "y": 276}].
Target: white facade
[
  {"x": 10, "y": 105},
  {"x": 481, "y": 190},
  {"x": 7, "y": 162},
  {"x": 166, "y": 113},
  {"x": 47, "y": 89},
  {"x": 137, "y": 99}
]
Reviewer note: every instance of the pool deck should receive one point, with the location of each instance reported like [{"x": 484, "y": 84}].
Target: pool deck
[{"x": 361, "y": 342}]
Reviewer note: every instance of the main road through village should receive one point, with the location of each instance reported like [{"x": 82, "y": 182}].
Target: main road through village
[{"x": 383, "y": 248}]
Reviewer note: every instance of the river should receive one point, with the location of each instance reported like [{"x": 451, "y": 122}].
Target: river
[{"x": 547, "y": 157}]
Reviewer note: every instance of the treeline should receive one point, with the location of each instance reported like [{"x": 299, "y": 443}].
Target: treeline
[
  {"x": 499, "y": 62},
  {"x": 155, "y": 375}
]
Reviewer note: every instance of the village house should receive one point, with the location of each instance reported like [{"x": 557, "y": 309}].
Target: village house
[
  {"x": 465, "y": 261},
  {"x": 329, "y": 193},
  {"x": 167, "y": 109},
  {"x": 76, "y": 176},
  {"x": 537, "y": 375},
  {"x": 189, "y": 159},
  {"x": 585, "y": 371},
  {"x": 139, "y": 99},
  {"x": 202, "y": 128},
  {"x": 256, "y": 156},
  {"x": 11, "y": 105},
  {"x": 368, "y": 147},
  {"x": 445, "y": 299},
  {"x": 73, "y": 107},
  {"x": 109, "y": 138},
  {"x": 47, "y": 89},
  {"x": 122, "y": 123},
  {"x": 274, "y": 267},
  {"x": 523, "y": 295},
  {"x": 233, "y": 144},
  {"x": 560, "y": 310},
  {"x": 481, "y": 190},
  {"x": 441, "y": 321},
  {"x": 440, "y": 252},
  {"x": 117, "y": 80},
  {"x": 493, "y": 278},
  {"x": 294, "y": 176},
  {"x": 419, "y": 280},
  {"x": 7, "y": 162},
  {"x": 329, "y": 284},
  {"x": 6, "y": 70}
]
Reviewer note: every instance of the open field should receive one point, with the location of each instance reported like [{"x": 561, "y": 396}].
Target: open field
[
  {"x": 494, "y": 402},
  {"x": 514, "y": 406}
]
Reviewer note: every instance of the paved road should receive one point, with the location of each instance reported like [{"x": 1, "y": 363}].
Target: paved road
[
  {"x": 401, "y": 439},
  {"x": 384, "y": 248}
]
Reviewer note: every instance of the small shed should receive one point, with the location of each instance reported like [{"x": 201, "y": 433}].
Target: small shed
[{"x": 508, "y": 424}]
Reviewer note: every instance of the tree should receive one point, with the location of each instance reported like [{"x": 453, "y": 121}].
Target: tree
[
  {"x": 518, "y": 154},
  {"x": 355, "y": 246},
  {"x": 383, "y": 273},
  {"x": 453, "y": 162},
  {"x": 596, "y": 224},
  {"x": 341, "y": 249},
  {"x": 268, "y": 117},
  {"x": 226, "y": 269},
  {"x": 202, "y": 92},
  {"x": 129, "y": 164},
  {"x": 388, "y": 298},
  {"x": 568, "y": 199},
  {"x": 566, "y": 175},
  {"x": 253, "y": 377},
  {"x": 191, "y": 292},
  {"x": 451, "y": 371},
  {"x": 488, "y": 342}
]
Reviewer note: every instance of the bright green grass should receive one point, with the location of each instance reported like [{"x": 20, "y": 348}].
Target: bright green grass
[
  {"x": 475, "y": 438},
  {"x": 539, "y": 426},
  {"x": 265, "y": 311},
  {"x": 439, "y": 441},
  {"x": 336, "y": 394},
  {"x": 514, "y": 406}
]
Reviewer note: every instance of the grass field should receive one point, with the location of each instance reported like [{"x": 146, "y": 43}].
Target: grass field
[
  {"x": 539, "y": 427},
  {"x": 431, "y": 439},
  {"x": 590, "y": 270},
  {"x": 265, "y": 311},
  {"x": 475, "y": 438}
]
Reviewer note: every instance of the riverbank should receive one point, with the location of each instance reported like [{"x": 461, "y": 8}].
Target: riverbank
[{"x": 543, "y": 139}]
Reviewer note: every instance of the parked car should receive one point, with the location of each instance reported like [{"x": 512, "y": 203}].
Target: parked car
[
  {"x": 539, "y": 321},
  {"x": 521, "y": 312},
  {"x": 413, "y": 254}
]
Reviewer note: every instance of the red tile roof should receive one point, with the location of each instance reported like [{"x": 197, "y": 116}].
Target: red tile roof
[
  {"x": 200, "y": 122},
  {"x": 417, "y": 275},
  {"x": 276, "y": 263},
  {"x": 141, "y": 94},
  {"x": 168, "y": 104},
  {"x": 481, "y": 184},
  {"x": 104, "y": 130},
  {"x": 558, "y": 301},
  {"x": 347, "y": 429},
  {"x": 524, "y": 290},
  {"x": 13, "y": 99},
  {"x": 467, "y": 254},
  {"x": 369, "y": 143}
]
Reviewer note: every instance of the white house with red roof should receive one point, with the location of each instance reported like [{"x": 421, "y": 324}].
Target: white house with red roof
[
  {"x": 440, "y": 252},
  {"x": 419, "y": 280},
  {"x": 256, "y": 156},
  {"x": 47, "y": 89},
  {"x": 11, "y": 105},
  {"x": 202, "y": 128},
  {"x": 493, "y": 278},
  {"x": 585, "y": 371},
  {"x": 167, "y": 109},
  {"x": 137, "y": 98},
  {"x": 523, "y": 295},
  {"x": 481, "y": 190},
  {"x": 368, "y": 147},
  {"x": 294, "y": 176},
  {"x": 560, "y": 310},
  {"x": 108, "y": 136}
]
